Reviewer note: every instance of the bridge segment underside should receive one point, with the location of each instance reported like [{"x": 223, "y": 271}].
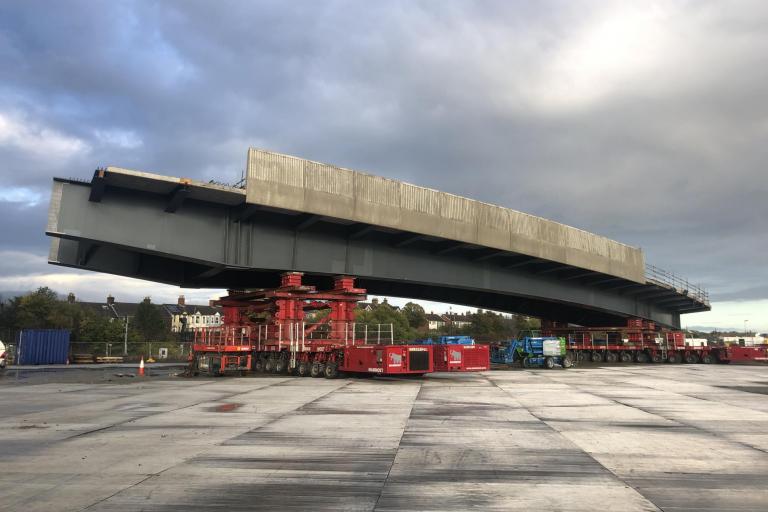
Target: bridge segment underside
[{"x": 218, "y": 241}]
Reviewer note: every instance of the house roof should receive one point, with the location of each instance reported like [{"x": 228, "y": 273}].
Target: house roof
[
  {"x": 100, "y": 308},
  {"x": 191, "y": 309}
]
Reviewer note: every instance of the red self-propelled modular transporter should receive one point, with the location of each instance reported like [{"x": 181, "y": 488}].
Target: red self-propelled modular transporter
[
  {"x": 642, "y": 341},
  {"x": 296, "y": 329}
]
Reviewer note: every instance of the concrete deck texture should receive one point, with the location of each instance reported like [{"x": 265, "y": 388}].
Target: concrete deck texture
[{"x": 609, "y": 438}]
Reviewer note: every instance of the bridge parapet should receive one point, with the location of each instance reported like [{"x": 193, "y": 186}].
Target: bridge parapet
[
  {"x": 666, "y": 279},
  {"x": 289, "y": 183}
]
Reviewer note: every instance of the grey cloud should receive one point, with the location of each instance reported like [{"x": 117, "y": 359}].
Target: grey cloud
[{"x": 451, "y": 98}]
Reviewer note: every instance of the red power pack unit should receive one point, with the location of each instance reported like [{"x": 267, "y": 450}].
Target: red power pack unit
[
  {"x": 735, "y": 354},
  {"x": 461, "y": 358},
  {"x": 388, "y": 359}
]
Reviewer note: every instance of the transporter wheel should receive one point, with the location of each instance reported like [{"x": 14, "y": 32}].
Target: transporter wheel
[
  {"x": 581, "y": 356},
  {"x": 269, "y": 365},
  {"x": 674, "y": 358},
  {"x": 625, "y": 357},
  {"x": 567, "y": 363},
  {"x": 526, "y": 363},
  {"x": 258, "y": 365},
  {"x": 281, "y": 365},
  {"x": 691, "y": 358},
  {"x": 316, "y": 370},
  {"x": 641, "y": 357},
  {"x": 303, "y": 369},
  {"x": 611, "y": 357},
  {"x": 549, "y": 363},
  {"x": 656, "y": 358},
  {"x": 597, "y": 357},
  {"x": 331, "y": 371},
  {"x": 707, "y": 359}
]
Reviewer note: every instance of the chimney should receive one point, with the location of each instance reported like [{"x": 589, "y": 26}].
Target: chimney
[
  {"x": 375, "y": 301},
  {"x": 71, "y": 298},
  {"x": 212, "y": 303},
  {"x": 181, "y": 300},
  {"x": 110, "y": 300}
]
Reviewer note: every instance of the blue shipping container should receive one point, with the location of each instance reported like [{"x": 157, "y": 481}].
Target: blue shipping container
[{"x": 43, "y": 346}]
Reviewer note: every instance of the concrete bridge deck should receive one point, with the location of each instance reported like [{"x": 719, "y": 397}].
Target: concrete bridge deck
[{"x": 400, "y": 240}]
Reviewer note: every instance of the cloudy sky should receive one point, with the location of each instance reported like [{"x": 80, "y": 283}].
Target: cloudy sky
[{"x": 647, "y": 123}]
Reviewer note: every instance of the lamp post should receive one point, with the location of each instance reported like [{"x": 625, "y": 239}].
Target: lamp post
[
  {"x": 745, "y": 328},
  {"x": 125, "y": 338}
]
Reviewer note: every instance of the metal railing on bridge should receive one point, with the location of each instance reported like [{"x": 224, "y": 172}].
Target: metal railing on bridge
[{"x": 667, "y": 279}]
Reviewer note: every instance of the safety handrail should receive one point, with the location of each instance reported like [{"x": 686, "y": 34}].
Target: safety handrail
[{"x": 667, "y": 279}]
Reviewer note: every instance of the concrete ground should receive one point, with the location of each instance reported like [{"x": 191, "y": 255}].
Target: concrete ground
[{"x": 616, "y": 438}]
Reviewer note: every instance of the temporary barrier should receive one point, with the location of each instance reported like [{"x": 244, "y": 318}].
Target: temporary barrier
[{"x": 43, "y": 346}]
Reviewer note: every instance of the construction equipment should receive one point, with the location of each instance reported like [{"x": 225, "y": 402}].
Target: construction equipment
[
  {"x": 458, "y": 354},
  {"x": 641, "y": 341},
  {"x": 299, "y": 330},
  {"x": 533, "y": 352}
]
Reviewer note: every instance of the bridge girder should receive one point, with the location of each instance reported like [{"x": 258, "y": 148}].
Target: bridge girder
[{"x": 247, "y": 245}]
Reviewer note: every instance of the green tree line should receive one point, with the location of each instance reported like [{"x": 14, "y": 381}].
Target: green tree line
[
  {"x": 410, "y": 322},
  {"x": 89, "y": 330}
]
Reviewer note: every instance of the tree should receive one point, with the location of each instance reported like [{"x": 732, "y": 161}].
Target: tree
[
  {"x": 415, "y": 315},
  {"x": 148, "y": 321},
  {"x": 383, "y": 315},
  {"x": 43, "y": 310}
]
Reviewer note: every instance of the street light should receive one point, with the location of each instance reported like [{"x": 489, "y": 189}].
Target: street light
[{"x": 745, "y": 328}]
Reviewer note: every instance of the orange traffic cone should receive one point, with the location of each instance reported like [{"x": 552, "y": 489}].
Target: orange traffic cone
[{"x": 141, "y": 367}]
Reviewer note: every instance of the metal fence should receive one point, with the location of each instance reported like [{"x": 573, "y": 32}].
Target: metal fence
[
  {"x": 295, "y": 334},
  {"x": 667, "y": 279}
]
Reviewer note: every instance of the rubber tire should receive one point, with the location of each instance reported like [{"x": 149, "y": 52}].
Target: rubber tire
[
  {"x": 611, "y": 357},
  {"x": 316, "y": 370},
  {"x": 692, "y": 358},
  {"x": 281, "y": 365},
  {"x": 258, "y": 365},
  {"x": 597, "y": 357},
  {"x": 331, "y": 371},
  {"x": 302, "y": 370},
  {"x": 625, "y": 357},
  {"x": 567, "y": 363},
  {"x": 549, "y": 363},
  {"x": 581, "y": 356},
  {"x": 674, "y": 358},
  {"x": 526, "y": 363},
  {"x": 707, "y": 359},
  {"x": 656, "y": 358},
  {"x": 269, "y": 365},
  {"x": 641, "y": 357}
]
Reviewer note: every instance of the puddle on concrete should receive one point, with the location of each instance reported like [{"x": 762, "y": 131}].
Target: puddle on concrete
[{"x": 226, "y": 407}]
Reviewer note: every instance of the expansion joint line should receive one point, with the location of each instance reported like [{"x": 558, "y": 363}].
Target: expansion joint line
[
  {"x": 553, "y": 429},
  {"x": 402, "y": 435}
]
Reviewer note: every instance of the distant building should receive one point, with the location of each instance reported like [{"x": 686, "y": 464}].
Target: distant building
[
  {"x": 458, "y": 321},
  {"x": 110, "y": 309},
  {"x": 177, "y": 317},
  {"x": 757, "y": 339},
  {"x": 187, "y": 317},
  {"x": 435, "y": 322}
]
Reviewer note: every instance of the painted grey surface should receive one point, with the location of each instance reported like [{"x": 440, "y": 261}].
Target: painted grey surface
[
  {"x": 623, "y": 438},
  {"x": 129, "y": 233},
  {"x": 283, "y": 181}
]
